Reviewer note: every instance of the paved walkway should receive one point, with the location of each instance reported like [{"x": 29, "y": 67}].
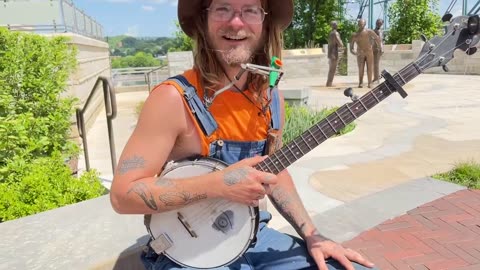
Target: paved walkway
[
  {"x": 363, "y": 188},
  {"x": 442, "y": 234}
]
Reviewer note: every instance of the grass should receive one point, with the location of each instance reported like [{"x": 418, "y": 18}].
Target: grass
[
  {"x": 464, "y": 173},
  {"x": 300, "y": 118},
  {"x": 138, "y": 108}
]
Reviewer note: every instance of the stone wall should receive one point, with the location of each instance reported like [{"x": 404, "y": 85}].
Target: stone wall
[
  {"x": 307, "y": 63},
  {"x": 178, "y": 62},
  {"x": 304, "y": 63},
  {"x": 93, "y": 60}
]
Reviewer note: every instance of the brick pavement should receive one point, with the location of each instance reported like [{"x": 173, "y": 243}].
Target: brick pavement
[{"x": 442, "y": 234}]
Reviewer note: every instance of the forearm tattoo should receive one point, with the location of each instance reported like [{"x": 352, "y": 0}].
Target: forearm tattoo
[
  {"x": 176, "y": 198},
  {"x": 164, "y": 182},
  {"x": 285, "y": 204},
  {"x": 235, "y": 176},
  {"x": 133, "y": 163},
  {"x": 181, "y": 198},
  {"x": 142, "y": 191}
]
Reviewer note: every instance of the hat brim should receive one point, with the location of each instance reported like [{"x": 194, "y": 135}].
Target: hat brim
[{"x": 280, "y": 10}]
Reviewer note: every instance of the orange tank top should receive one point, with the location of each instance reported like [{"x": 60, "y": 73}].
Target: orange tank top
[{"x": 238, "y": 119}]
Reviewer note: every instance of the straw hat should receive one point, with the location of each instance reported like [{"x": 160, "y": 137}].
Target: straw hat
[{"x": 280, "y": 10}]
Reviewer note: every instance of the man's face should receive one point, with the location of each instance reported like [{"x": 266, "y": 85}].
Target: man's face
[
  {"x": 361, "y": 24},
  {"x": 235, "y": 38},
  {"x": 379, "y": 23}
]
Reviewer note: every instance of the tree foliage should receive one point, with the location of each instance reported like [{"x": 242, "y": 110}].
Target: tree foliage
[
  {"x": 410, "y": 18},
  {"x": 311, "y": 23},
  {"x": 140, "y": 59},
  {"x": 125, "y": 45},
  {"x": 35, "y": 121},
  {"x": 182, "y": 42}
]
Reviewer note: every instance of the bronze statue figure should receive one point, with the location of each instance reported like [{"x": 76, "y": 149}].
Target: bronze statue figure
[
  {"x": 364, "y": 38},
  {"x": 334, "y": 44},
  {"x": 377, "y": 50}
]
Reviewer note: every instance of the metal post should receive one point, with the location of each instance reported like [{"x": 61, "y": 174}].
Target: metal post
[
  {"x": 385, "y": 14},
  {"x": 370, "y": 14},
  {"x": 109, "y": 97},
  {"x": 62, "y": 13},
  {"x": 464, "y": 7}
]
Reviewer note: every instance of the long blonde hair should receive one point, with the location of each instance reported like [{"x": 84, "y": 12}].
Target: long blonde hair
[{"x": 208, "y": 65}]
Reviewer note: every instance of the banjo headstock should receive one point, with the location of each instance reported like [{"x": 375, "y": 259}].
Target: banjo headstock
[{"x": 462, "y": 33}]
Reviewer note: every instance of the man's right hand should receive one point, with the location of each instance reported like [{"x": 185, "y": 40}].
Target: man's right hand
[{"x": 244, "y": 184}]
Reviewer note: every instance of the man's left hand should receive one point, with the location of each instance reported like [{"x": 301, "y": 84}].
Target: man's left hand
[{"x": 321, "y": 249}]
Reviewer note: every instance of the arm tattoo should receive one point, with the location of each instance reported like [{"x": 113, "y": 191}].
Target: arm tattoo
[
  {"x": 141, "y": 190},
  {"x": 181, "y": 198},
  {"x": 164, "y": 182},
  {"x": 235, "y": 176},
  {"x": 286, "y": 206},
  {"x": 127, "y": 165}
]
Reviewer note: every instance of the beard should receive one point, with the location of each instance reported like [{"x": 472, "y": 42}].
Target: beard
[
  {"x": 236, "y": 56},
  {"x": 239, "y": 54}
]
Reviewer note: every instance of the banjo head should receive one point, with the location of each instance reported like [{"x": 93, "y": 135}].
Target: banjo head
[{"x": 209, "y": 233}]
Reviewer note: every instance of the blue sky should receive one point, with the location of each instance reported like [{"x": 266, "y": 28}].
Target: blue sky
[
  {"x": 132, "y": 17},
  {"x": 156, "y": 18}
]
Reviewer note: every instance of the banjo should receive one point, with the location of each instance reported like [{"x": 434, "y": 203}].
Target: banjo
[{"x": 215, "y": 232}]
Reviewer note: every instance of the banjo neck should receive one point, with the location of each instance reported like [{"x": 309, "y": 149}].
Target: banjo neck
[{"x": 336, "y": 121}]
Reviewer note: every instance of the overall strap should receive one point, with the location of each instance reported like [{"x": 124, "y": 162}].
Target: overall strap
[
  {"x": 275, "y": 109},
  {"x": 203, "y": 116}
]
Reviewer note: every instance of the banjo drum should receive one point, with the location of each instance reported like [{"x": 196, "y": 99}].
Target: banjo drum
[{"x": 207, "y": 234}]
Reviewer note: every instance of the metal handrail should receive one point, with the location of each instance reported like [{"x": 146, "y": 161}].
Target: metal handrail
[
  {"x": 147, "y": 76},
  {"x": 111, "y": 113}
]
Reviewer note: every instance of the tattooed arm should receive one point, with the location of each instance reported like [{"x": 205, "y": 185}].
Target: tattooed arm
[
  {"x": 135, "y": 188},
  {"x": 286, "y": 200}
]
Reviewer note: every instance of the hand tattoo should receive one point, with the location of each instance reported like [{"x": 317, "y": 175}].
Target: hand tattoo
[
  {"x": 235, "y": 176},
  {"x": 141, "y": 190},
  {"x": 130, "y": 164}
]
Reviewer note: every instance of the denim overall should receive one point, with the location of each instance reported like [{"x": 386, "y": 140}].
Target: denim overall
[{"x": 273, "y": 250}]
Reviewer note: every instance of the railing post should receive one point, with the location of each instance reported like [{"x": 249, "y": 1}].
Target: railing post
[{"x": 110, "y": 112}]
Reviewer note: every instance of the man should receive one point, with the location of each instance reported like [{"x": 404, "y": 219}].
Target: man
[
  {"x": 364, "y": 38},
  {"x": 226, "y": 33},
  {"x": 377, "y": 50},
  {"x": 334, "y": 44}
]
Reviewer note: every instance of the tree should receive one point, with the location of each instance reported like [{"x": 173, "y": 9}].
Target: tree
[
  {"x": 411, "y": 18},
  {"x": 311, "y": 23},
  {"x": 140, "y": 59},
  {"x": 182, "y": 42}
]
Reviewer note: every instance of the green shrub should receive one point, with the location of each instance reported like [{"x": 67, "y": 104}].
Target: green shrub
[
  {"x": 300, "y": 118},
  {"x": 35, "y": 121},
  {"x": 464, "y": 173},
  {"x": 34, "y": 118},
  {"x": 46, "y": 183}
]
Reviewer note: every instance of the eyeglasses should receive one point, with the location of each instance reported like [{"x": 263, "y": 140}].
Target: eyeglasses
[{"x": 249, "y": 14}]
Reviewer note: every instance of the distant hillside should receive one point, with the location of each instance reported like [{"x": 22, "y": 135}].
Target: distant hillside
[{"x": 125, "y": 45}]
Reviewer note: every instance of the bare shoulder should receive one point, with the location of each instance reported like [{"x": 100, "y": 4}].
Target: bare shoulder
[{"x": 163, "y": 106}]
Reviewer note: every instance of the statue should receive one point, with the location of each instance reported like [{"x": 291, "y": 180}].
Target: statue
[
  {"x": 377, "y": 50},
  {"x": 334, "y": 44},
  {"x": 365, "y": 38}
]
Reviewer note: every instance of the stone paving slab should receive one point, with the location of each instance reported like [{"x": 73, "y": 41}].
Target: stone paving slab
[
  {"x": 442, "y": 234},
  {"x": 348, "y": 220}
]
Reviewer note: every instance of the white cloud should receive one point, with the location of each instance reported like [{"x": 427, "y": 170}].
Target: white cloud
[
  {"x": 148, "y": 8},
  {"x": 132, "y": 31},
  {"x": 170, "y": 2},
  {"x": 119, "y": 1}
]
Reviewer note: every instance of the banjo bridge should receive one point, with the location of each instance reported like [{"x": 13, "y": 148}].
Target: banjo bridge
[{"x": 186, "y": 225}]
